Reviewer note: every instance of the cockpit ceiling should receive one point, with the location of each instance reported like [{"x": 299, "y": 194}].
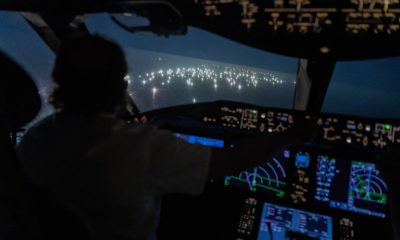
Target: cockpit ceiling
[
  {"x": 342, "y": 30},
  {"x": 338, "y": 30}
]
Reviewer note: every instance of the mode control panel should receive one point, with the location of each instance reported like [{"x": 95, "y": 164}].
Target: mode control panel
[
  {"x": 251, "y": 119},
  {"x": 333, "y": 129}
]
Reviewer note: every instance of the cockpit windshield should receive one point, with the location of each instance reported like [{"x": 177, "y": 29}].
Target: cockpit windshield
[
  {"x": 199, "y": 67},
  {"x": 366, "y": 88}
]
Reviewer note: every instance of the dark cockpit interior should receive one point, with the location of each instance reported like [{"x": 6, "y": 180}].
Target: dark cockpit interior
[{"x": 331, "y": 188}]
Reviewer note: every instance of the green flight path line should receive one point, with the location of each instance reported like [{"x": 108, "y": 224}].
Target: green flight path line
[
  {"x": 280, "y": 193},
  {"x": 272, "y": 180},
  {"x": 382, "y": 197},
  {"x": 266, "y": 179}
]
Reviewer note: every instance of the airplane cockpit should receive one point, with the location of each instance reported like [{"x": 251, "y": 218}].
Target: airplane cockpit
[{"x": 217, "y": 72}]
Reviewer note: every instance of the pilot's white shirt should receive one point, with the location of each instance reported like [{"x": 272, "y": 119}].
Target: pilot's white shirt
[{"x": 113, "y": 172}]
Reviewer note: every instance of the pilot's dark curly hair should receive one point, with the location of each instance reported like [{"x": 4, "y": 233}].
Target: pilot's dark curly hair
[{"x": 89, "y": 74}]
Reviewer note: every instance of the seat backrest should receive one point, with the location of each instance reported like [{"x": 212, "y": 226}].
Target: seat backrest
[
  {"x": 19, "y": 97},
  {"x": 26, "y": 212},
  {"x": 11, "y": 184},
  {"x": 30, "y": 213},
  {"x": 57, "y": 220}
]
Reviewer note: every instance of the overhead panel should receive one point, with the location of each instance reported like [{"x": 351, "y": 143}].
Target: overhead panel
[
  {"x": 340, "y": 30},
  {"x": 344, "y": 30}
]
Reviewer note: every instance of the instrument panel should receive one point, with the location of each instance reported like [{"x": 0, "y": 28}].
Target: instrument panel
[
  {"x": 244, "y": 119},
  {"x": 329, "y": 189}
]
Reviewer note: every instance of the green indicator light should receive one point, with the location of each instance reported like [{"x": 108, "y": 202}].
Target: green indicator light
[
  {"x": 255, "y": 111},
  {"x": 388, "y": 126}
]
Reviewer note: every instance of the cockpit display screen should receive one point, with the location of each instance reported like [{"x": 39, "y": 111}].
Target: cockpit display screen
[
  {"x": 269, "y": 177},
  {"x": 350, "y": 185},
  {"x": 209, "y": 142},
  {"x": 280, "y": 223}
]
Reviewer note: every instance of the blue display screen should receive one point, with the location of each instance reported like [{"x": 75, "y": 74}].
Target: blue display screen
[
  {"x": 209, "y": 142},
  {"x": 302, "y": 160},
  {"x": 281, "y": 223}
]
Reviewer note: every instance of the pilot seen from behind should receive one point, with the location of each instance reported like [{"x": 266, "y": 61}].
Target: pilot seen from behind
[{"x": 113, "y": 172}]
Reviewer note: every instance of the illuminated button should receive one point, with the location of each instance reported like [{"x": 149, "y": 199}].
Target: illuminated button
[
  {"x": 302, "y": 160},
  {"x": 368, "y": 128},
  {"x": 263, "y": 115},
  {"x": 348, "y": 139},
  {"x": 351, "y": 126},
  {"x": 365, "y": 141},
  {"x": 324, "y": 50}
]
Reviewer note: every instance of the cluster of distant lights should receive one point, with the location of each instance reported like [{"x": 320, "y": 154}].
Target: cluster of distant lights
[{"x": 233, "y": 77}]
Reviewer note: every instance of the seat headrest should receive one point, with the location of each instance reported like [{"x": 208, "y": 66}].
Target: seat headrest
[{"x": 19, "y": 97}]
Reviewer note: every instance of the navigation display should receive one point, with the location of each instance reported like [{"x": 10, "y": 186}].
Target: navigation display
[
  {"x": 269, "y": 177},
  {"x": 280, "y": 223},
  {"x": 366, "y": 184},
  {"x": 350, "y": 185}
]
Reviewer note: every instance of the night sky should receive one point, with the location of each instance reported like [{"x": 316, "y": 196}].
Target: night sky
[{"x": 201, "y": 66}]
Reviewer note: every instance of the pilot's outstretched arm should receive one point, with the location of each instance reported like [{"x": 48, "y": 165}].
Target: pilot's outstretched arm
[{"x": 253, "y": 152}]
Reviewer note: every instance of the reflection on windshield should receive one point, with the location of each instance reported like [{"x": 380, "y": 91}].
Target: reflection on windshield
[{"x": 199, "y": 67}]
